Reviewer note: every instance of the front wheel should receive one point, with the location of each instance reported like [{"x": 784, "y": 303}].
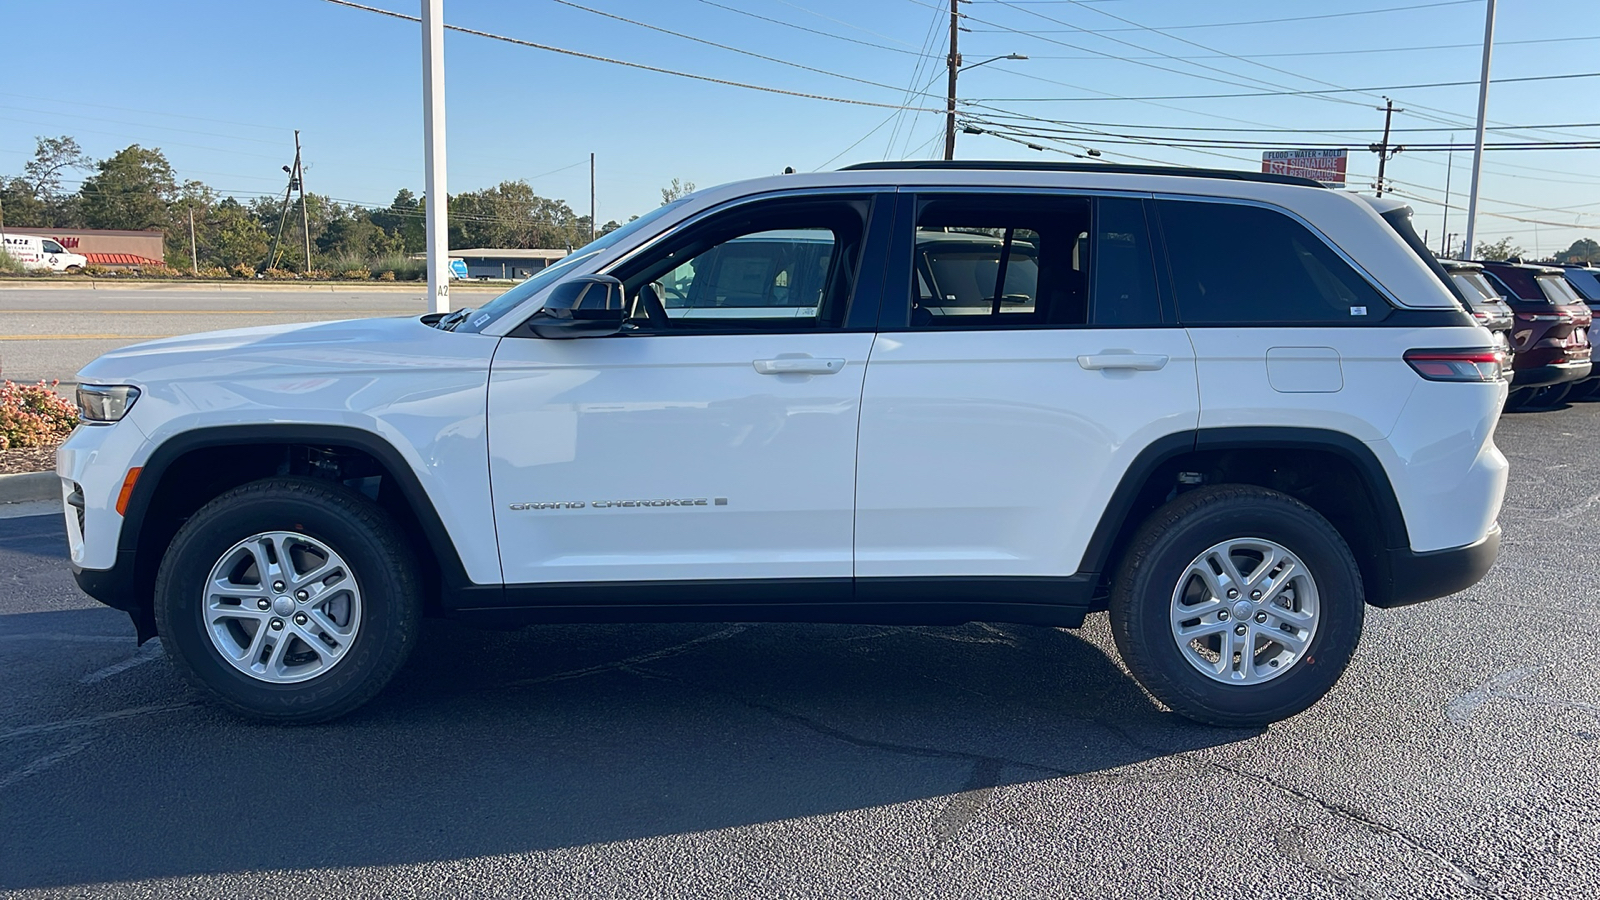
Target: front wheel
[
  {"x": 1237, "y": 605},
  {"x": 288, "y": 600}
]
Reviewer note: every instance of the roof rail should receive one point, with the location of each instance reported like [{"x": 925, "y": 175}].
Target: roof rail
[{"x": 1109, "y": 168}]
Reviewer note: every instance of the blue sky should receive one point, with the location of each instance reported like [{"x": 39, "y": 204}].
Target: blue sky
[{"x": 220, "y": 91}]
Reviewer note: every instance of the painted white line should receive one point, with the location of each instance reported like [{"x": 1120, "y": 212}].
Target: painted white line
[
  {"x": 43, "y": 762},
  {"x": 69, "y": 724},
  {"x": 1461, "y": 709},
  {"x": 150, "y": 652}
]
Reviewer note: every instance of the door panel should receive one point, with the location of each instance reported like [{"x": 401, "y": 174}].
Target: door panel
[
  {"x": 995, "y": 452},
  {"x": 675, "y": 456}
]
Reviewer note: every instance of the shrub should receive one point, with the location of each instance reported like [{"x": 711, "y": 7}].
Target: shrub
[
  {"x": 96, "y": 270},
  {"x": 404, "y": 267},
  {"x": 359, "y": 273},
  {"x": 10, "y": 264},
  {"x": 34, "y": 415},
  {"x": 386, "y": 276},
  {"x": 279, "y": 275},
  {"x": 213, "y": 272},
  {"x": 160, "y": 271},
  {"x": 316, "y": 274},
  {"x": 243, "y": 271}
]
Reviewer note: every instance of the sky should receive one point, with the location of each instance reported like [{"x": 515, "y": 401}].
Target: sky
[{"x": 220, "y": 88}]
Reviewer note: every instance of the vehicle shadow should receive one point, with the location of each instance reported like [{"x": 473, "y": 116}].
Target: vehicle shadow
[{"x": 511, "y": 742}]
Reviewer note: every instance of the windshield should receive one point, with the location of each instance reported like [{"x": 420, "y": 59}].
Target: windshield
[
  {"x": 1585, "y": 283},
  {"x": 549, "y": 275},
  {"x": 1557, "y": 291}
]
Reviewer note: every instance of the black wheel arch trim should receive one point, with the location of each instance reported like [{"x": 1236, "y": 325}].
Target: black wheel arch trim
[
  {"x": 1097, "y": 554},
  {"x": 452, "y": 572}
]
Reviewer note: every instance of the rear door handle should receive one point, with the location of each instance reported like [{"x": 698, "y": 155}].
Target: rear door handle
[
  {"x": 1139, "y": 362},
  {"x": 798, "y": 365}
]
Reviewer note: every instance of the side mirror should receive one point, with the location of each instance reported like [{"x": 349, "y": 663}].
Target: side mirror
[{"x": 581, "y": 306}]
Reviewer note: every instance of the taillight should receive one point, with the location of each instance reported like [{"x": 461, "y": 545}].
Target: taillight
[
  {"x": 1540, "y": 317},
  {"x": 1478, "y": 364}
]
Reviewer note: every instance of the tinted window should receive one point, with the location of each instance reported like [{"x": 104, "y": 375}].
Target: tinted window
[
  {"x": 51, "y": 246},
  {"x": 1557, "y": 290},
  {"x": 1246, "y": 265},
  {"x": 1123, "y": 267},
  {"x": 982, "y": 261},
  {"x": 1586, "y": 284},
  {"x": 777, "y": 266},
  {"x": 1475, "y": 286}
]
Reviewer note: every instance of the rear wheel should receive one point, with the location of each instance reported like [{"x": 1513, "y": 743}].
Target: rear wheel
[
  {"x": 288, "y": 600},
  {"x": 1237, "y": 605}
]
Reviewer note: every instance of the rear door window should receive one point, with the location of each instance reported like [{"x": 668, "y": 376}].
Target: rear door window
[{"x": 1234, "y": 264}]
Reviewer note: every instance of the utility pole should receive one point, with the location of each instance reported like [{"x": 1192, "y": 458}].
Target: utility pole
[
  {"x": 593, "y": 228},
  {"x": 194, "y": 253},
  {"x": 283, "y": 216},
  {"x": 1483, "y": 108},
  {"x": 1382, "y": 149},
  {"x": 305, "y": 218},
  {"x": 1449, "y": 168},
  {"x": 437, "y": 221},
  {"x": 954, "y": 62}
]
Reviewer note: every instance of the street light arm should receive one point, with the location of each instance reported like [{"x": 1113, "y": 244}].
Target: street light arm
[{"x": 996, "y": 59}]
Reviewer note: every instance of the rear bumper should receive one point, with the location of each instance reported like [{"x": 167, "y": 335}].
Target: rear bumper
[
  {"x": 1418, "y": 577},
  {"x": 1557, "y": 373}
]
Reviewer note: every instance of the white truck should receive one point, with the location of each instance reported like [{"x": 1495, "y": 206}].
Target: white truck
[{"x": 35, "y": 252}]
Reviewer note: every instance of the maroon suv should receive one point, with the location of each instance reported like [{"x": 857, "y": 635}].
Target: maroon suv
[{"x": 1550, "y": 334}]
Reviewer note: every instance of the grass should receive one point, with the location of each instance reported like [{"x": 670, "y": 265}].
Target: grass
[{"x": 10, "y": 265}]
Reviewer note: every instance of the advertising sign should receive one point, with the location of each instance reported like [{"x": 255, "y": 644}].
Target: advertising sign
[{"x": 1326, "y": 166}]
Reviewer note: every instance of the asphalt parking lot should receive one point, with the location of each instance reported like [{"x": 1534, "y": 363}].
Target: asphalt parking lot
[{"x": 1459, "y": 757}]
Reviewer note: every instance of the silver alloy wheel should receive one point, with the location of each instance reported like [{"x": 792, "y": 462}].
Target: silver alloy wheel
[
  {"x": 282, "y": 607},
  {"x": 1245, "y": 611}
]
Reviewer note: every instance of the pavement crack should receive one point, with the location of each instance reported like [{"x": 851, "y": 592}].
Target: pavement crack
[
  {"x": 86, "y": 721},
  {"x": 627, "y": 663},
  {"x": 45, "y": 762}
]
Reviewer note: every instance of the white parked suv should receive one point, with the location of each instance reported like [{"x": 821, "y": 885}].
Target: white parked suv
[{"x": 1231, "y": 409}]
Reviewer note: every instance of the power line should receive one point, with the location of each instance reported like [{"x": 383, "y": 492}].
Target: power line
[
  {"x": 732, "y": 49},
  {"x": 1338, "y": 15},
  {"x": 1366, "y": 90},
  {"x": 826, "y": 34},
  {"x": 1300, "y": 53},
  {"x": 632, "y": 65}
]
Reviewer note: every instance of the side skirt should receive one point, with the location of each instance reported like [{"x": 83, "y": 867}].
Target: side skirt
[{"x": 1059, "y": 602}]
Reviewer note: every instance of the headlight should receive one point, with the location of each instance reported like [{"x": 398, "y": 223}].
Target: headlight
[{"x": 105, "y": 403}]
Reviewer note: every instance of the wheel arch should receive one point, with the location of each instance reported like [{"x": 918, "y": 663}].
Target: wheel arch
[
  {"x": 190, "y": 468},
  {"x": 1334, "y": 473}
]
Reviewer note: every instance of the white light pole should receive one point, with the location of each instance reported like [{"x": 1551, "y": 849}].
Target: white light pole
[
  {"x": 1483, "y": 109},
  {"x": 437, "y": 222}
]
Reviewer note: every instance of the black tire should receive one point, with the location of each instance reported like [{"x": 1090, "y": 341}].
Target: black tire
[
  {"x": 1159, "y": 557},
  {"x": 360, "y": 531}
]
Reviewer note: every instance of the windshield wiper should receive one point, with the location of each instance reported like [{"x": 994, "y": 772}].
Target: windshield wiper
[{"x": 451, "y": 320}]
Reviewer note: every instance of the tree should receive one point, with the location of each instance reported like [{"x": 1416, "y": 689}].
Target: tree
[
  {"x": 512, "y": 215},
  {"x": 130, "y": 191},
  {"x": 404, "y": 219},
  {"x": 233, "y": 237},
  {"x": 1583, "y": 250},
  {"x": 675, "y": 191},
  {"x": 20, "y": 207},
  {"x": 1500, "y": 250}
]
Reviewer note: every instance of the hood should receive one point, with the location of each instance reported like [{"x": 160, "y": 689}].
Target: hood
[{"x": 372, "y": 344}]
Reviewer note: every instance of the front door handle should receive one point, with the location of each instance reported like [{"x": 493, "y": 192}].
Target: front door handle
[
  {"x": 798, "y": 365},
  {"x": 1139, "y": 362}
]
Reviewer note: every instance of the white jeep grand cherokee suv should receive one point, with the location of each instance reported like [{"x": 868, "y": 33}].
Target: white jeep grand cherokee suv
[{"x": 1231, "y": 409}]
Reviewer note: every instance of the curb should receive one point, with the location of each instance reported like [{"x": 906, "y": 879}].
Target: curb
[{"x": 30, "y": 487}]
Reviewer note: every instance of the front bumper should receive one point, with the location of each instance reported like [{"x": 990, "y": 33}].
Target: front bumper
[
  {"x": 1418, "y": 577},
  {"x": 117, "y": 587}
]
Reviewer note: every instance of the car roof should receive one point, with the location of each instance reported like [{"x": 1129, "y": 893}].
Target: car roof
[
  {"x": 1536, "y": 268},
  {"x": 1460, "y": 265},
  {"x": 1007, "y": 165}
]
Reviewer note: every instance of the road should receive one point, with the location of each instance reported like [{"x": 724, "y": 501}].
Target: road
[
  {"x": 1459, "y": 756},
  {"x": 48, "y": 334}
]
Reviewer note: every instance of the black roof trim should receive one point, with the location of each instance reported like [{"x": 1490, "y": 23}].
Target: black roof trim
[{"x": 1109, "y": 168}]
